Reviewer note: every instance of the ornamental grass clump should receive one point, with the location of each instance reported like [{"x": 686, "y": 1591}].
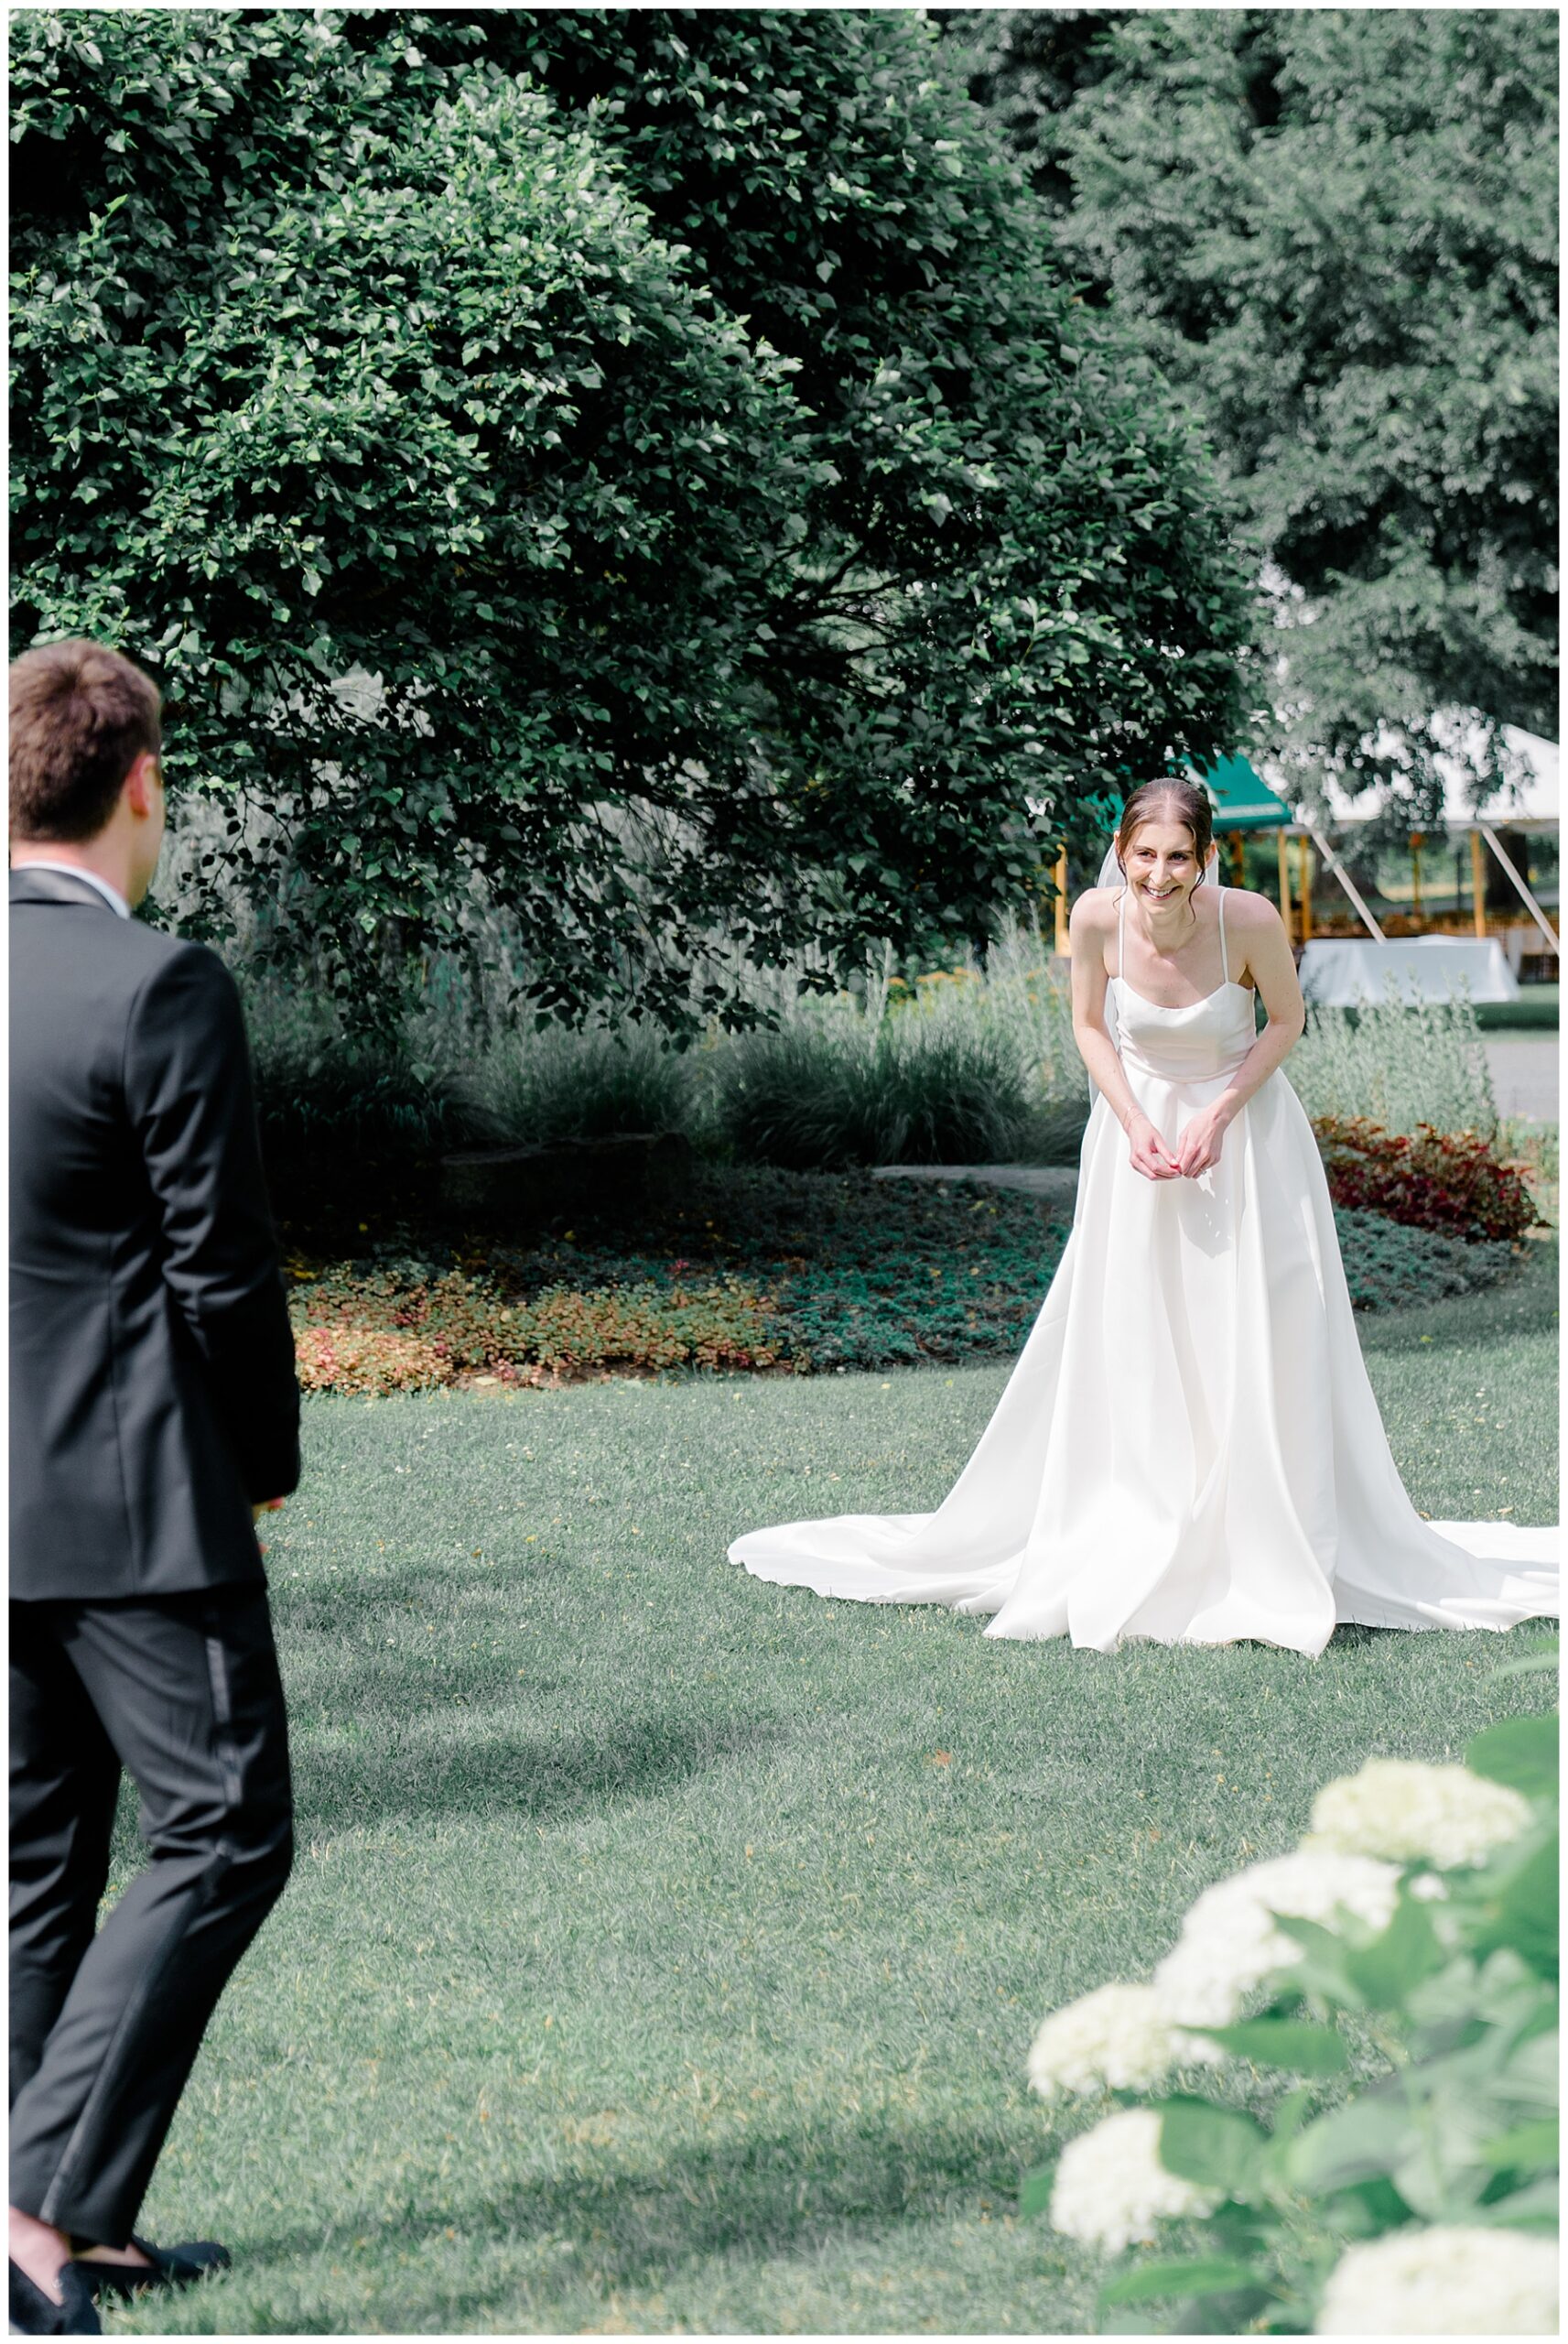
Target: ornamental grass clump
[
  {"x": 1417, "y": 1928},
  {"x": 333, "y": 1099},
  {"x": 529, "y": 1087},
  {"x": 974, "y": 1063},
  {"x": 1397, "y": 1063},
  {"x": 833, "y": 1088}
]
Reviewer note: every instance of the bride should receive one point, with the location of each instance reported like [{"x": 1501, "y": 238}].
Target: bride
[{"x": 1188, "y": 1448}]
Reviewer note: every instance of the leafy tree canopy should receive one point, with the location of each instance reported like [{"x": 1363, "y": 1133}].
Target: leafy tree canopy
[
  {"x": 634, "y": 469},
  {"x": 1335, "y": 231}
]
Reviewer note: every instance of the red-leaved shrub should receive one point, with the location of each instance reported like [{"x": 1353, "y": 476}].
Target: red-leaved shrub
[{"x": 1429, "y": 1179}]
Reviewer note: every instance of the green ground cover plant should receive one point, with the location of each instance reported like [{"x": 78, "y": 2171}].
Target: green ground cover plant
[
  {"x": 759, "y": 1270},
  {"x": 665, "y": 1948}
]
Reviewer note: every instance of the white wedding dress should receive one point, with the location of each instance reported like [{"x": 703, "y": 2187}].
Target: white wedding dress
[{"x": 1188, "y": 1448}]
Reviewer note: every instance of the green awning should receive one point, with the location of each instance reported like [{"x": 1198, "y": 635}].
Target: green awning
[{"x": 1242, "y": 802}]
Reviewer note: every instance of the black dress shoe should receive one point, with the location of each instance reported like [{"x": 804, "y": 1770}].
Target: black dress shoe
[
  {"x": 34, "y": 2314},
  {"x": 165, "y": 2266}
]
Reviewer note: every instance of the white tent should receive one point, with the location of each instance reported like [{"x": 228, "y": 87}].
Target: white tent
[
  {"x": 1535, "y": 804},
  {"x": 1528, "y": 802}
]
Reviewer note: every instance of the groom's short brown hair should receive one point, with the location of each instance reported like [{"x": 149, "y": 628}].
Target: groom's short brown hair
[{"x": 80, "y": 716}]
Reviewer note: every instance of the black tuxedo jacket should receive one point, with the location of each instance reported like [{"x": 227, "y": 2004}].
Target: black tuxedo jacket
[{"x": 152, "y": 1394}]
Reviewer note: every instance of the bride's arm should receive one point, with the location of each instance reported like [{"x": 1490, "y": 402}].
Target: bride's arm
[
  {"x": 1087, "y": 929},
  {"x": 1259, "y": 934}
]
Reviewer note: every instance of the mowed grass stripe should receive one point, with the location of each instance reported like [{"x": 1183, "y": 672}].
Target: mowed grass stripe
[{"x": 664, "y": 1946}]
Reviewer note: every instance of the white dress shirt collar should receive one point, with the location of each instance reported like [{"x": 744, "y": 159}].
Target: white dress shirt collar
[{"x": 111, "y": 896}]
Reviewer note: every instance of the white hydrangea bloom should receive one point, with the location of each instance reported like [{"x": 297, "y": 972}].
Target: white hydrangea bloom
[
  {"x": 1230, "y": 1940},
  {"x": 1111, "y": 2188},
  {"x": 1427, "y": 1888},
  {"x": 1443, "y": 2282},
  {"x": 1117, "y": 2039},
  {"x": 1395, "y": 1807}
]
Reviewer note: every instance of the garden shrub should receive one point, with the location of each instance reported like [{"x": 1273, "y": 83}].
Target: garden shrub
[{"x": 1451, "y": 1181}]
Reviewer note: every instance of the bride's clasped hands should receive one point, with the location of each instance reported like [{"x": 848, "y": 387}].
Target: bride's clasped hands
[
  {"x": 1148, "y": 1154},
  {"x": 1197, "y": 1152},
  {"x": 1202, "y": 1136}
]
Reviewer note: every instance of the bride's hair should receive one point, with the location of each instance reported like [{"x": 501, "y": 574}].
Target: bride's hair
[{"x": 1184, "y": 801}]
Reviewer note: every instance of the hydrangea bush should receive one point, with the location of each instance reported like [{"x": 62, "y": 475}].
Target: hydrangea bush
[{"x": 1415, "y": 1929}]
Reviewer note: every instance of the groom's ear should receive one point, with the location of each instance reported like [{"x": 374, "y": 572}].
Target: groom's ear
[{"x": 142, "y": 788}]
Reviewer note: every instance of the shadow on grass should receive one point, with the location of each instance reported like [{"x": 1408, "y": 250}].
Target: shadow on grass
[
  {"x": 635, "y": 2223},
  {"x": 424, "y": 1768},
  {"x": 372, "y": 1595}
]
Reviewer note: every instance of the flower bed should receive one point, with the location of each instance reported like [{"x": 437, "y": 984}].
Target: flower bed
[
  {"x": 757, "y": 1270},
  {"x": 411, "y": 1328}
]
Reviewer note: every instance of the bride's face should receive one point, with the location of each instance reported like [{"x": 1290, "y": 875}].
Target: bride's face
[{"x": 1162, "y": 866}]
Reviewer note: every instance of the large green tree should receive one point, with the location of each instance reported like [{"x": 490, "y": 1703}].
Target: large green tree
[
  {"x": 667, "y": 422},
  {"x": 1336, "y": 232}
]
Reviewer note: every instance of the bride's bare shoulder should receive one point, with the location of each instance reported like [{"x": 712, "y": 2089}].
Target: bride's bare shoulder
[
  {"x": 1095, "y": 911},
  {"x": 1247, "y": 912}
]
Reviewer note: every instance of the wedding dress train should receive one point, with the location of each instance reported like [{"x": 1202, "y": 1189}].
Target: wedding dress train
[{"x": 1188, "y": 1448}]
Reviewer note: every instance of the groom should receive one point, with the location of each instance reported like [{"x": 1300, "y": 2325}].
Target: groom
[{"x": 154, "y": 1409}]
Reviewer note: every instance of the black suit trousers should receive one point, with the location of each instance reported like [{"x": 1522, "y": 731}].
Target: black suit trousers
[{"x": 182, "y": 1691}]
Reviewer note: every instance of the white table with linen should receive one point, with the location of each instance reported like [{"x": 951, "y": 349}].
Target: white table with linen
[{"x": 1346, "y": 971}]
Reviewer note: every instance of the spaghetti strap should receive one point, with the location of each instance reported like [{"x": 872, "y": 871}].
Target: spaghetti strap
[
  {"x": 1120, "y": 935},
  {"x": 1223, "y": 963}
]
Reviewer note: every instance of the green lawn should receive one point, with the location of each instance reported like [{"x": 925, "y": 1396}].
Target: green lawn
[
  {"x": 664, "y": 1946},
  {"x": 1535, "y": 1012}
]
